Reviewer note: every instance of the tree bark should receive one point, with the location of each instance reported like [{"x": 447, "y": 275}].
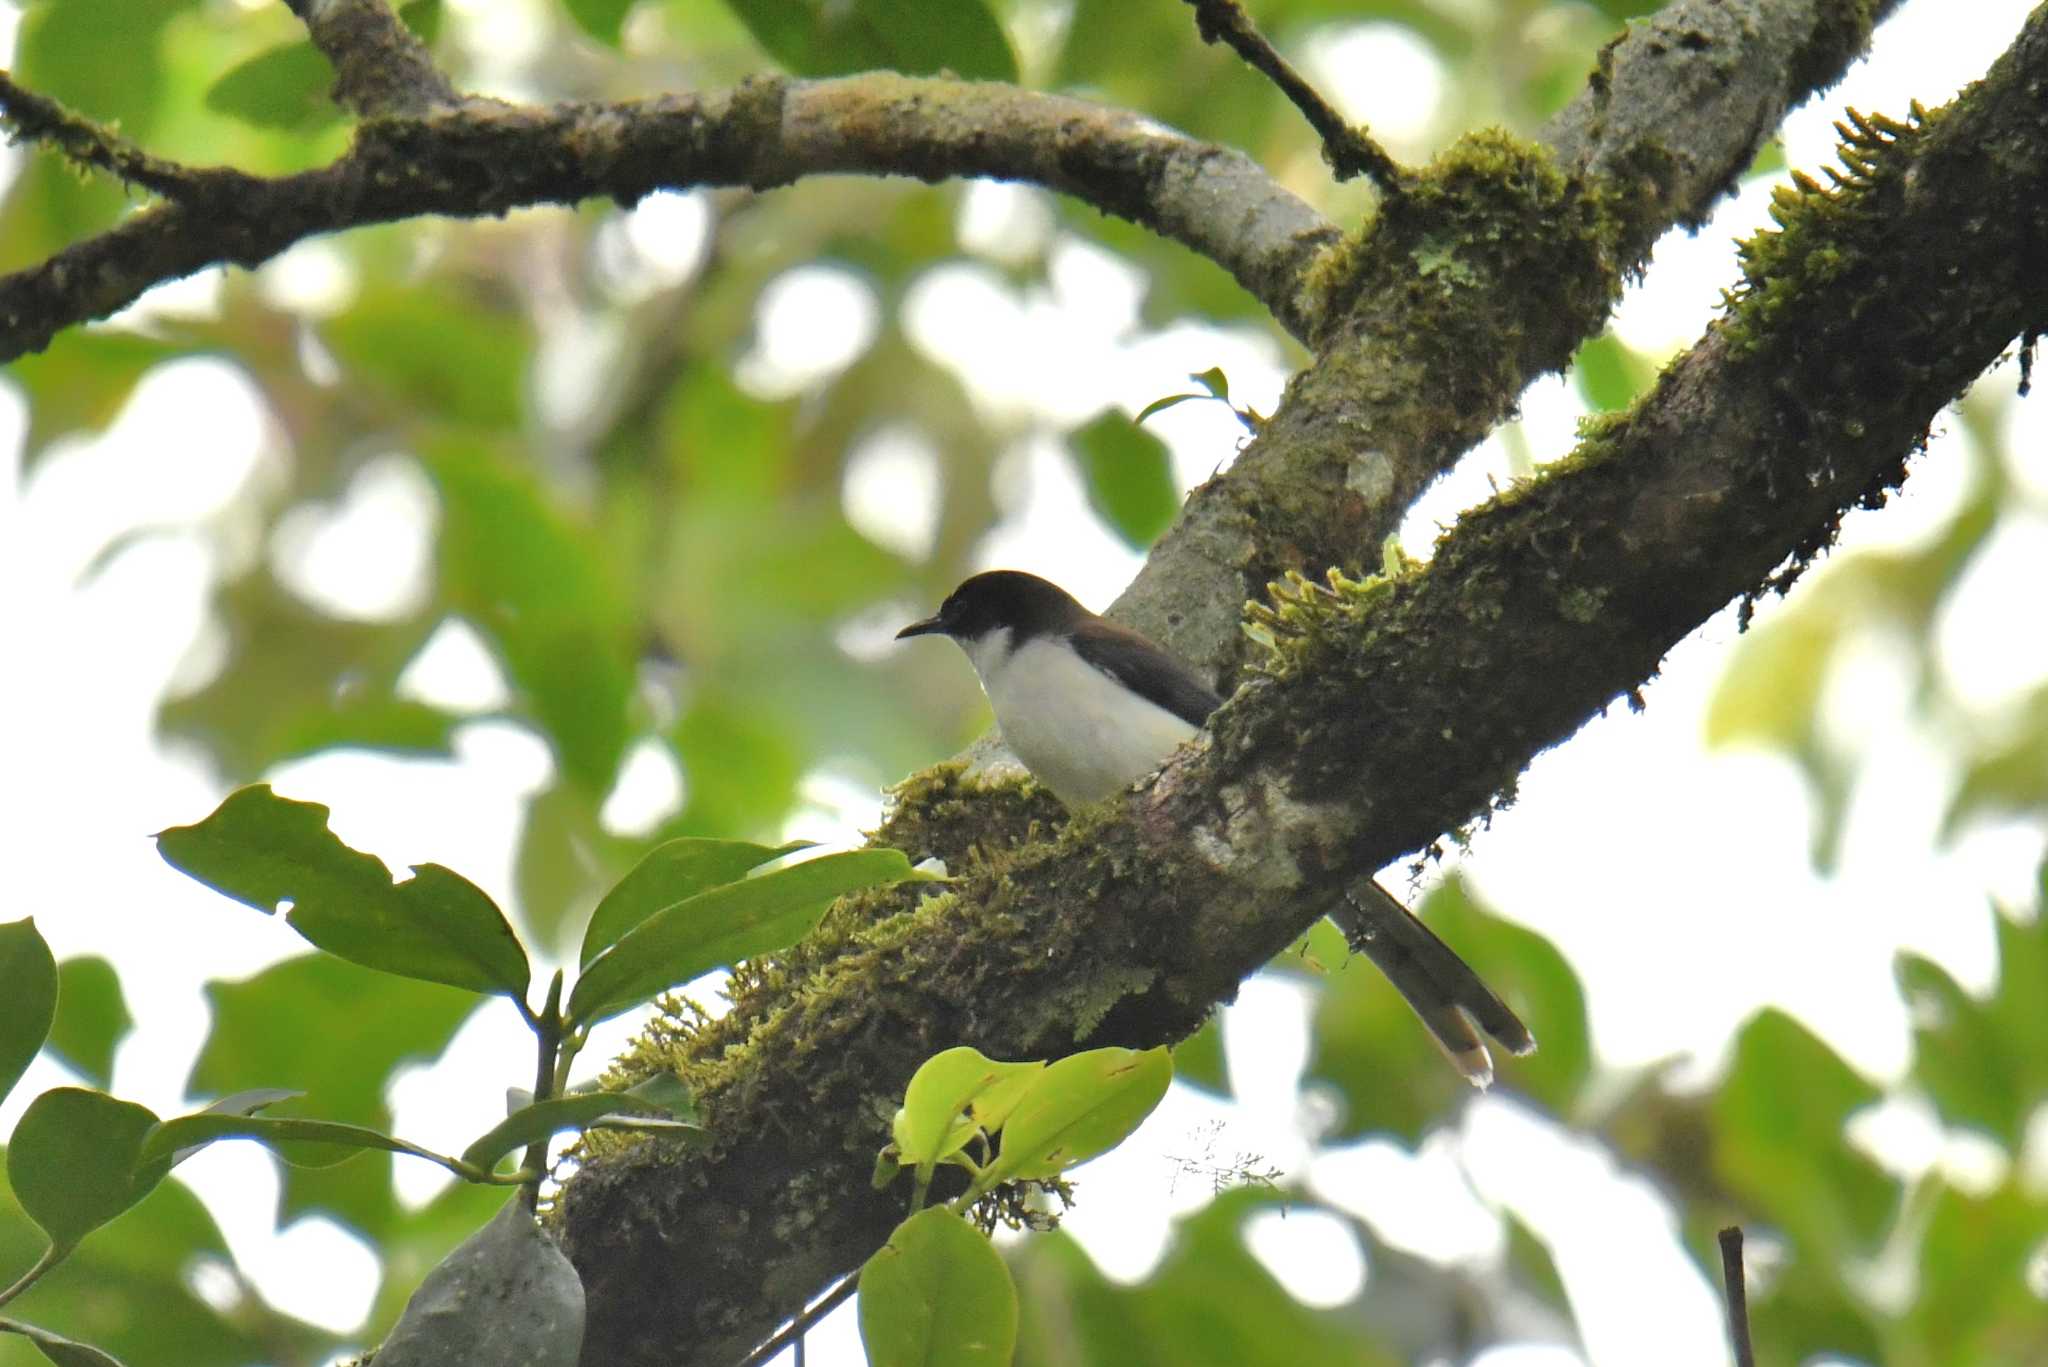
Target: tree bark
[
  {"x": 1387, "y": 713},
  {"x": 1381, "y": 713}
]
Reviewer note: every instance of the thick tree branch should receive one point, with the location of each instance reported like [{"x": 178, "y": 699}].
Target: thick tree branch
[
  {"x": 379, "y": 66},
  {"x": 1445, "y": 322},
  {"x": 37, "y": 118},
  {"x": 485, "y": 158},
  {"x": 1387, "y": 713},
  {"x": 1723, "y": 71}
]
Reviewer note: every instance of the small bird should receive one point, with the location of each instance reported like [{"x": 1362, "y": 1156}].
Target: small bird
[{"x": 1091, "y": 707}]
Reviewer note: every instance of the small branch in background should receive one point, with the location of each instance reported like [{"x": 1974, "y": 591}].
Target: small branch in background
[
  {"x": 1738, "y": 1296},
  {"x": 38, "y": 118},
  {"x": 380, "y": 66},
  {"x": 794, "y": 1331},
  {"x": 1348, "y": 148}
]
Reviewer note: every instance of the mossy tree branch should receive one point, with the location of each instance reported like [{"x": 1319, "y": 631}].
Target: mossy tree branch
[
  {"x": 482, "y": 157},
  {"x": 379, "y": 66},
  {"x": 1445, "y": 310},
  {"x": 1426, "y": 329},
  {"x": 1387, "y": 713}
]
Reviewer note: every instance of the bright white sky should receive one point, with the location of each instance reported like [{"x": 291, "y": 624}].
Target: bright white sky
[{"x": 107, "y": 553}]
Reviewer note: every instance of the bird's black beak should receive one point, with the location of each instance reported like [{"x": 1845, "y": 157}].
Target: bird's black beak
[{"x": 930, "y": 626}]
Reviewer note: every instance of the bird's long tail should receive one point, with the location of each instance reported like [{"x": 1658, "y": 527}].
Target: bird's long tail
[{"x": 1442, "y": 987}]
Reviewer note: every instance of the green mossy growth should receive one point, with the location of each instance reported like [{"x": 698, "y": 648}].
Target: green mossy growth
[{"x": 1817, "y": 243}]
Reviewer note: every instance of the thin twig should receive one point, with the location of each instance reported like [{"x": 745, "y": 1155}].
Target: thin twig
[
  {"x": 1348, "y": 148},
  {"x": 1738, "y": 1295},
  {"x": 794, "y": 1331},
  {"x": 38, "y": 118}
]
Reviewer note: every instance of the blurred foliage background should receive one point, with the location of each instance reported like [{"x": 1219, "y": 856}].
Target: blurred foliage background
[{"x": 678, "y": 469}]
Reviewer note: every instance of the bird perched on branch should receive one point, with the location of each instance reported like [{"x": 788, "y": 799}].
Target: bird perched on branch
[{"x": 1091, "y": 707}]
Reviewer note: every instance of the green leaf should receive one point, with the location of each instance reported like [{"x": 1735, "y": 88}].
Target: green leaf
[
  {"x": 671, "y": 872},
  {"x": 265, "y": 850},
  {"x": 58, "y": 1349},
  {"x": 430, "y": 350},
  {"x": 1170, "y": 401},
  {"x": 295, "y": 679},
  {"x": 92, "y": 1017},
  {"x": 1198, "y": 1060},
  {"x": 1974, "y": 1302},
  {"x": 2005, "y": 772},
  {"x": 1609, "y": 374},
  {"x": 743, "y": 762},
  {"x": 1984, "y": 1063},
  {"x": 1080, "y": 1106},
  {"x": 395, "y": 725},
  {"x": 929, "y": 1126},
  {"x": 128, "y": 1290},
  {"x": 285, "y": 87},
  {"x": 423, "y": 17},
  {"x": 1770, "y": 693},
  {"x": 1129, "y": 477},
  {"x": 1529, "y": 974},
  {"x": 1779, "y": 1123},
  {"x": 82, "y": 380},
  {"x": 724, "y": 925},
  {"x": 301, "y": 1142},
  {"x": 28, "y": 998},
  {"x": 667, "y": 1091},
  {"x": 1215, "y": 381},
  {"x": 937, "y": 1292},
  {"x": 544, "y": 1119},
  {"x": 289, "y": 86},
  {"x": 62, "y": 53},
  {"x": 1209, "y": 1303},
  {"x": 1367, "y": 1048},
  {"x": 601, "y": 19},
  {"x": 244, "y": 1103},
  {"x": 75, "y": 1161},
  {"x": 918, "y": 37},
  {"x": 1805, "y": 1314},
  {"x": 544, "y": 590}
]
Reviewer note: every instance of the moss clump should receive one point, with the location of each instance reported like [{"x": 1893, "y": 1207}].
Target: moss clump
[
  {"x": 1817, "y": 243},
  {"x": 1492, "y": 214},
  {"x": 1306, "y": 617},
  {"x": 1581, "y": 605}
]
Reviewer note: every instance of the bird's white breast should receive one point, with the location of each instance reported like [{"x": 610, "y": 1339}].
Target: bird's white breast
[{"x": 1080, "y": 732}]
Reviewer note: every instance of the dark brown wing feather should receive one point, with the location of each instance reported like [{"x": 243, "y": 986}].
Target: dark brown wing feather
[{"x": 1145, "y": 669}]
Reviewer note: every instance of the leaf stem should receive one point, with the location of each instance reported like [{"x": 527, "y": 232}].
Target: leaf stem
[
  {"x": 546, "y": 1084},
  {"x": 50, "y": 1258}
]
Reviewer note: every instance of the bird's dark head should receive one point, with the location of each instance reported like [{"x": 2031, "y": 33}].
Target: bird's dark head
[{"x": 1024, "y": 603}]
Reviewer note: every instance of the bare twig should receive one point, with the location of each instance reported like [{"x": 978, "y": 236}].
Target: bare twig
[
  {"x": 38, "y": 118},
  {"x": 794, "y": 1331},
  {"x": 1738, "y": 1295},
  {"x": 380, "y": 66},
  {"x": 1348, "y": 148}
]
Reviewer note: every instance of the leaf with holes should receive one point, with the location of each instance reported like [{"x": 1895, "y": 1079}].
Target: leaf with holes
[{"x": 265, "y": 851}]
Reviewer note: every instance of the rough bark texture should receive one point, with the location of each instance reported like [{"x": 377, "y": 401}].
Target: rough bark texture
[
  {"x": 1389, "y": 713},
  {"x": 1446, "y": 323},
  {"x": 484, "y": 157}
]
